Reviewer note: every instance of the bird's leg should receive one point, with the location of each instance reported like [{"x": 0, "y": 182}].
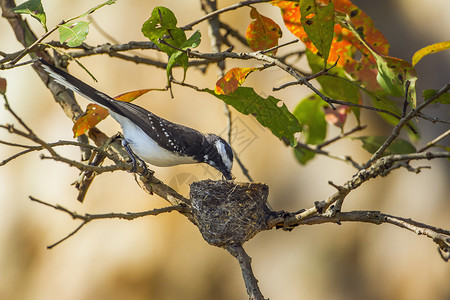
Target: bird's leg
[{"x": 134, "y": 158}]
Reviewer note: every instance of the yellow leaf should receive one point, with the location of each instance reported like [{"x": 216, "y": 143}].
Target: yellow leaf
[{"x": 428, "y": 50}]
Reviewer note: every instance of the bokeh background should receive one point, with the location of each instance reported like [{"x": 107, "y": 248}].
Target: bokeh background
[{"x": 165, "y": 257}]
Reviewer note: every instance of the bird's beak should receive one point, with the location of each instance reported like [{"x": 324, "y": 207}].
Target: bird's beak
[{"x": 229, "y": 176}]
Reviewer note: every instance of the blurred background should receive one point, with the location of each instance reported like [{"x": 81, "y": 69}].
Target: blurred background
[{"x": 165, "y": 257}]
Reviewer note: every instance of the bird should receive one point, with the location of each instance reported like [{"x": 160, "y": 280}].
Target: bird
[{"x": 150, "y": 138}]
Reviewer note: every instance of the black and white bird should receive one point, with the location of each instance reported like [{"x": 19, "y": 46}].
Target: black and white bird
[{"x": 151, "y": 138}]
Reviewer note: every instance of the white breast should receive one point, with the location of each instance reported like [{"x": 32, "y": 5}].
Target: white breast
[{"x": 146, "y": 148}]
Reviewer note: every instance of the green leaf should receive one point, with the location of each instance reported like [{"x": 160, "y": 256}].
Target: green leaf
[
  {"x": 318, "y": 22},
  {"x": 73, "y": 34},
  {"x": 444, "y": 98},
  {"x": 381, "y": 102},
  {"x": 33, "y": 8},
  {"x": 310, "y": 114},
  {"x": 162, "y": 25},
  {"x": 393, "y": 73},
  {"x": 193, "y": 41},
  {"x": 339, "y": 87},
  {"x": 267, "y": 111},
  {"x": 398, "y": 146},
  {"x": 303, "y": 155},
  {"x": 180, "y": 57}
]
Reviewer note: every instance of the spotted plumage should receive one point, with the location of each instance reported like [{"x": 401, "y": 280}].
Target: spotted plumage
[{"x": 153, "y": 139}]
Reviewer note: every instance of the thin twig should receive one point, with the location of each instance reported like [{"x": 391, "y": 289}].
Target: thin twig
[
  {"x": 38, "y": 148},
  {"x": 318, "y": 150},
  {"x": 432, "y": 119},
  {"x": 279, "y": 46},
  {"x": 433, "y": 142},
  {"x": 30, "y": 134},
  {"x": 27, "y": 49},
  {"x": 340, "y": 136},
  {"x": 243, "y": 168},
  {"x": 86, "y": 218},
  {"x": 220, "y": 11},
  {"x": 396, "y": 131},
  {"x": 379, "y": 167}
]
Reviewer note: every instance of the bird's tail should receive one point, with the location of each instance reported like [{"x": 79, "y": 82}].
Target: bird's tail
[{"x": 79, "y": 86}]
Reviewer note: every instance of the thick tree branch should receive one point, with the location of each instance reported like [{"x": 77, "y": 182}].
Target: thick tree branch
[{"x": 251, "y": 283}]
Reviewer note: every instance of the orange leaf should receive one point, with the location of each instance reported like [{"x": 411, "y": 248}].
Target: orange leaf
[
  {"x": 130, "y": 96},
  {"x": 262, "y": 33},
  {"x": 228, "y": 83},
  {"x": 345, "y": 45},
  {"x": 96, "y": 113}
]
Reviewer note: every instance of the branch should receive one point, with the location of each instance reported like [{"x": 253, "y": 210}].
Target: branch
[
  {"x": 86, "y": 218},
  {"x": 435, "y": 141},
  {"x": 402, "y": 122},
  {"x": 38, "y": 148},
  {"x": 341, "y": 136},
  {"x": 220, "y": 11},
  {"x": 438, "y": 235},
  {"x": 251, "y": 283},
  {"x": 334, "y": 203},
  {"x": 319, "y": 150}
]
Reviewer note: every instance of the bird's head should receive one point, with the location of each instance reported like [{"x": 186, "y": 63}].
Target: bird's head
[{"x": 219, "y": 155}]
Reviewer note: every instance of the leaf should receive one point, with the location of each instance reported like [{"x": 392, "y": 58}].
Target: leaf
[
  {"x": 73, "y": 34},
  {"x": 262, "y": 33},
  {"x": 181, "y": 57},
  {"x": 233, "y": 79},
  {"x": 310, "y": 114},
  {"x": 2, "y": 85},
  {"x": 345, "y": 46},
  {"x": 267, "y": 111},
  {"x": 337, "y": 87},
  {"x": 131, "y": 96},
  {"x": 303, "y": 155},
  {"x": 398, "y": 146},
  {"x": 318, "y": 22},
  {"x": 338, "y": 116},
  {"x": 389, "y": 105},
  {"x": 429, "y": 50},
  {"x": 393, "y": 73},
  {"x": 96, "y": 113},
  {"x": 33, "y": 8},
  {"x": 162, "y": 26},
  {"x": 444, "y": 98}
]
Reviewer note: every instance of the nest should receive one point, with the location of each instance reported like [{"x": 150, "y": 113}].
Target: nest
[{"x": 227, "y": 212}]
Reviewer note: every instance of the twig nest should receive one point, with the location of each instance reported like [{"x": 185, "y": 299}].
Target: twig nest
[{"x": 227, "y": 212}]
